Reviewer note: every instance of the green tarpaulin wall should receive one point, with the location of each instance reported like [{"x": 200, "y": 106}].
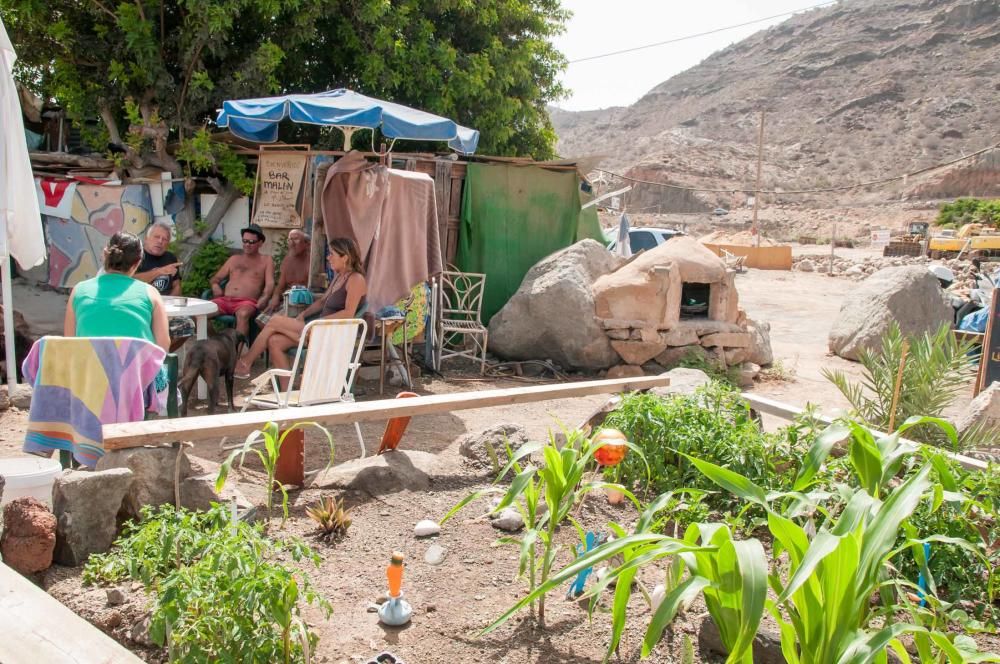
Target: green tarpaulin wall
[{"x": 514, "y": 216}]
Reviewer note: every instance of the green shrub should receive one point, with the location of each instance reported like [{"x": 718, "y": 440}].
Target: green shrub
[
  {"x": 219, "y": 589},
  {"x": 714, "y": 424},
  {"x": 968, "y": 511},
  {"x": 970, "y": 210},
  {"x": 715, "y": 370},
  {"x": 204, "y": 264}
]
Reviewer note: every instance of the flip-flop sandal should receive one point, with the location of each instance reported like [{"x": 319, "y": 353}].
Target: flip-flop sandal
[{"x": 241, "y": 376}]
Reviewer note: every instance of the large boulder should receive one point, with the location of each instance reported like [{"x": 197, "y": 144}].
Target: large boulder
[
  {"x": 551, "y": 316},
  {"x": 983, "y": 412},
  {"x": 29, "y": 535},
  {"x": 399, "y": 470},
  {"x": 909, "y": 295},
  {"x": 760, "y": 343},
  {"x": 152, "y": 474},
  {"x": 86, "y": 506},
  {"x": 475, "y": 446}
]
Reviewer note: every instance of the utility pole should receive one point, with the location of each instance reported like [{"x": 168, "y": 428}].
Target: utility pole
[{"x": 755, "y": 231}]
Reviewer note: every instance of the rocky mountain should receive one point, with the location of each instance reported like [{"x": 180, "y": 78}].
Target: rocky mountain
[{"x": 857, "y": 91}]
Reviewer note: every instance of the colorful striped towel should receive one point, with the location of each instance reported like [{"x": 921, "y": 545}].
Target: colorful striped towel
[{"x": 82, "y": 383}]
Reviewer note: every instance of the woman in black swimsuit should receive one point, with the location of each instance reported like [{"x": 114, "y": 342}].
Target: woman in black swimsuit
[{"x": 343, "y": 299}]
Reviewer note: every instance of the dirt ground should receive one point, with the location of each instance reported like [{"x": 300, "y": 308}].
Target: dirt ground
[{"x": 476, "y": 583}]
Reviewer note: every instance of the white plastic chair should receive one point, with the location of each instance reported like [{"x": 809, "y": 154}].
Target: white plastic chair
[
  {"x": 328, "y": 369},
  {"x": 459, "y": 314}
]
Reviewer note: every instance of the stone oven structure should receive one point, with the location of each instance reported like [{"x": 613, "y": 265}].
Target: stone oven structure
[{"x": 670, "y": 300}]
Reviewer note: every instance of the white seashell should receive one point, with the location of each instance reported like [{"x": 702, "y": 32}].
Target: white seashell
[{"x": 426, "y": 528}]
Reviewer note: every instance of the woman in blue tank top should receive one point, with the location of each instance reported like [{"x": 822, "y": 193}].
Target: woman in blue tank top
[
  {"x": 344, "y": 298},
  {"x": 114, "y": 304}
]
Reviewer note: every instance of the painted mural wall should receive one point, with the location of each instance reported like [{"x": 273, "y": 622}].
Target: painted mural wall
[{"x": 80, "y": 218}]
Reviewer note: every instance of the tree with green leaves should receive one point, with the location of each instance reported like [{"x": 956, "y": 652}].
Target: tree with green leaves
[
  {"x": 154, "y": 72},
  {"x": 488, "y": 64}
]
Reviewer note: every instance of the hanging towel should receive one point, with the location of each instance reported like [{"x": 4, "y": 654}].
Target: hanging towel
[
  {"x": 82, "y": 383},
  {"x": 19, "y": 218},
  {"x": 353, "y": 193},
  {"x": 407, "y": 247},
  {"x": 392, "y": 215}
]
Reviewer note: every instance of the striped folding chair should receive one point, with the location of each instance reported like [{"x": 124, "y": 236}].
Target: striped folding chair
[{"x": 327, "y": 369}]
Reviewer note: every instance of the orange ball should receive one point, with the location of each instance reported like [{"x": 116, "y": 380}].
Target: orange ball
[{"x": 611, "y": 448}]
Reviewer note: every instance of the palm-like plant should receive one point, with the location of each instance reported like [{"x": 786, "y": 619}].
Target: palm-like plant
[{"x": 936, "y": 369}]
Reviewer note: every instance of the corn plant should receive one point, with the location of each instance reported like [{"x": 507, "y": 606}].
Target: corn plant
[
  {"x": 272, "y": 440},
  {"x": 823, "y": 605},
  {"x": 823, "y": 594},
  {"x": 545, "y": 496},
  {"x": 642, "y": 547}
]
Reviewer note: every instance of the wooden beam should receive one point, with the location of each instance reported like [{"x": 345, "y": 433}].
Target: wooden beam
[
  {"x": 136, "y": 434},
  {"x": 75, "y": 160},
  {"x": 36, "y": 627},
  {"x": 788, "y": 412}
]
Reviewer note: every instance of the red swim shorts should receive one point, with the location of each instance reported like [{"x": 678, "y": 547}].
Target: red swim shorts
[{"x": 229, "y": 305}]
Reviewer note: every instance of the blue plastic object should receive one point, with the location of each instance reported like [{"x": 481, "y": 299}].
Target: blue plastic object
[
  {"x": 921, "y": 581},
  {"x": 576, "y": 588},
  {"x": 395, "y": 611}
]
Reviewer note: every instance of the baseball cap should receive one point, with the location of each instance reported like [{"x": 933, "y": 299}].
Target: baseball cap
[{"x": 255, "y": 229}]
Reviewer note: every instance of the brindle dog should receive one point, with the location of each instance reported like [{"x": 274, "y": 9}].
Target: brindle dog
[{"x": 209, "y": 359}]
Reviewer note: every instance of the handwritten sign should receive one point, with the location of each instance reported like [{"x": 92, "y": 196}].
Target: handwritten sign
[
  {"x": 279, "y": 183},
  {"x": 880, "y": 238},
  {"x": 989, "y": 363}
]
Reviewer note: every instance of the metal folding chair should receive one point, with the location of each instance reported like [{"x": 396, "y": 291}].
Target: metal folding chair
[{"x": 459, "y": 312}]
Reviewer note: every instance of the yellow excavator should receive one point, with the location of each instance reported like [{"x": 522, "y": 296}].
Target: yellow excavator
[{"x": 971, "y": 241}]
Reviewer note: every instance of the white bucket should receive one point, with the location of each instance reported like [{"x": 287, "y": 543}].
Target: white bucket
[{"x": 29, "y": 476}]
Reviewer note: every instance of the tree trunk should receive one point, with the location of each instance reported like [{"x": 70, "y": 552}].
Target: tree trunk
[
  {"x": 190, "y": 235},
  {"x": 111, "y": 124}
]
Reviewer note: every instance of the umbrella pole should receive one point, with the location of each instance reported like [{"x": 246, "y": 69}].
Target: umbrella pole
[{"x": 8, "y": 310}]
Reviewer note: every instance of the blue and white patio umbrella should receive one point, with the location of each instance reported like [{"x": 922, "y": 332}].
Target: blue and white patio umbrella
[{"x": 257, "y": 119}]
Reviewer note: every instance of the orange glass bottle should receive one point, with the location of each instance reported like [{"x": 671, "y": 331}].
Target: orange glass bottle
[{"x": 394, "y": 573}]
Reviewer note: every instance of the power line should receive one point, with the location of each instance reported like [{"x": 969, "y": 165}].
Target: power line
[
  {"x": 859, "y": 185},
  {"x": 700, "y": 34}
]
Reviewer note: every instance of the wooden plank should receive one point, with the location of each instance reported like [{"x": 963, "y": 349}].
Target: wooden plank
[
  {"x": 135, "y": 434},
  {"x": 35, "y": 627},
  {"x": 442, "y": 195},
  {"x": 789, "y": 412},
  {"x": 317, "y": 247},
  {"x": 989, "y": 360}
]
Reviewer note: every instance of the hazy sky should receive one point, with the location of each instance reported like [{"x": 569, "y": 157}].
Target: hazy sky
[{"x": 603, "y": 26}]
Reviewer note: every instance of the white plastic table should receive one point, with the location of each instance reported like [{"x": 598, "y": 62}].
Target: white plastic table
[{"x": 199, "y": 310}]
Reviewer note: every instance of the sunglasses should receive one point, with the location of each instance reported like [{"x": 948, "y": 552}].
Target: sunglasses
[{"x": 250, "y": 241}]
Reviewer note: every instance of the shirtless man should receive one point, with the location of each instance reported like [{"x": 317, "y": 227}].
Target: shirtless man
[
  {"x": 294, "y": 267},
  {"x": 251, "y": 281}
]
